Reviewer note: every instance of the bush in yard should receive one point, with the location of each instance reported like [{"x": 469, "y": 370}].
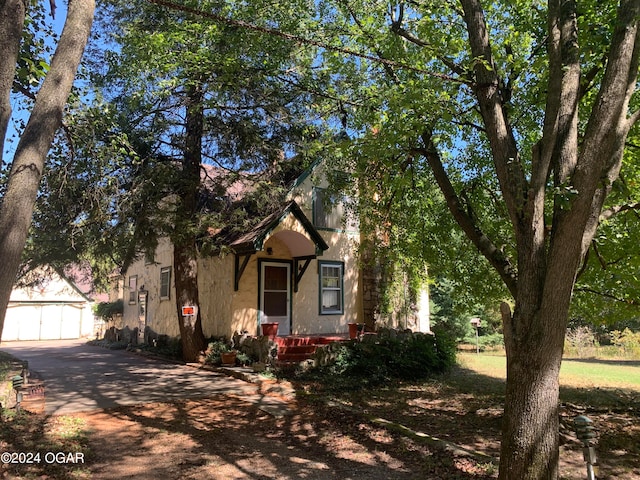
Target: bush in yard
[
  {"x": 485, "y": 342},
  {"x": 580, "y": 342},
  {"x": 393, "y": 355},
  {"x": 493, "y": 340},
  {"x": 107, "y": 311},
  {"x": 164, "y": 346},
  {"x": 627, "y": 341}
]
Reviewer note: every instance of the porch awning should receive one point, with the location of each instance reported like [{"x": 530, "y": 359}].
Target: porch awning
[
  {"x": 302, "y": 249},
  {"x": 253, "y": 241}
]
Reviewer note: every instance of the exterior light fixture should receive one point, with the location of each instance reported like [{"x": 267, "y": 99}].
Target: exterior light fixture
[{"x": 585, "y": 431}]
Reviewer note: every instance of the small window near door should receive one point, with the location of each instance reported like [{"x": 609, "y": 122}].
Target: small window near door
[
  {"x": 133, "y": 289},
  {"x": 165, "y": 283},
  {"x": 331, "y": 287}
]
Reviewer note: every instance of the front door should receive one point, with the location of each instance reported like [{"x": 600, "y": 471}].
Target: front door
[{"x": 275, "y": 295}]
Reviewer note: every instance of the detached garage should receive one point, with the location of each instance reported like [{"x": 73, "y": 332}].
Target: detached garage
[{"x": 54, "y": 309}]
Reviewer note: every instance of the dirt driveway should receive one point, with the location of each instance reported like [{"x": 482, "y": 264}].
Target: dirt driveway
[{"x": 227, "y": 438}]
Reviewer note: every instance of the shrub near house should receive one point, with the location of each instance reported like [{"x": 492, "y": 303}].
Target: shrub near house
[{"x": 390, "y": 354}]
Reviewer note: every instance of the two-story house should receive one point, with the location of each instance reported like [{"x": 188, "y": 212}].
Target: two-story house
[{"x": 297, "y": 267}]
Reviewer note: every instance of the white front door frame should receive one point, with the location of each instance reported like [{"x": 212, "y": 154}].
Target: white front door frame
[{"x": 275, "y": 294}]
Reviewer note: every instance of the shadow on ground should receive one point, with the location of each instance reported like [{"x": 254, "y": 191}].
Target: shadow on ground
[{"x": 465, "y": 408}]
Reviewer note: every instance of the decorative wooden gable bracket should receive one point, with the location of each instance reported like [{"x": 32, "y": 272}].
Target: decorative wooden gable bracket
[
  {"x": 239, "y": 269},
  {"x": 299, "y": 269}
]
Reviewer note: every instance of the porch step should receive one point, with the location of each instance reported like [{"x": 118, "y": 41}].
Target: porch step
[
  {"x": 297, "y": 349},
  {"x": 294, "y": 341},
  {"x": 295, "y": 353},
  {"x": 331, "y": 339},
  {"x": 309, "y": 340}
]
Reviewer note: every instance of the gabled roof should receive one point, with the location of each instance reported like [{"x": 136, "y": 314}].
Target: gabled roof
[
  {"x": 50, "y": 286},
  {"x": 304, "y": 175},
  {"x": 253, "y": 240}
]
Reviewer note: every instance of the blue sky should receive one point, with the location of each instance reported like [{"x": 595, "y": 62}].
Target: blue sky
[{"x": 20, "y": 114}]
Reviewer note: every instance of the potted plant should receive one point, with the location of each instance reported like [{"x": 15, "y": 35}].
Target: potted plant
[
  {"x": 220, "y": 352},
  {"x": 355, "y": 330},
  {"x": 228, "y": 358}
]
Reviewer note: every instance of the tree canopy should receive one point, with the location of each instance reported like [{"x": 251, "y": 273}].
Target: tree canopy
[{"x": 517, "y": 117}]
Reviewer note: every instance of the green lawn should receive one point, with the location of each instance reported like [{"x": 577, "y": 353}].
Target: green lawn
[{"x": 588, "y": 373}]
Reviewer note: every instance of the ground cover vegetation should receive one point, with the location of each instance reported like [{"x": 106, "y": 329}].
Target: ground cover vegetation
[{"x": 521, "y": 119}]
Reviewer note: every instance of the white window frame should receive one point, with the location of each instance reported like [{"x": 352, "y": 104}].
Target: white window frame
[
  {"x": 339, "y": 266},
  {"x": 133, "y": 289},
  {"x": 165, "y": 295}
]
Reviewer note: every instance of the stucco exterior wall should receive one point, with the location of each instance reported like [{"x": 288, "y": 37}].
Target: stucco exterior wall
[
  {"x": 215, "y": 287},
  {"x": 307, "y": 317},
  {"x": 161, "y": 313}
]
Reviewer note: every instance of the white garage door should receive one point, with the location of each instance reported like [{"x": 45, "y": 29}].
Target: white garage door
[
  {"x": 50, "y": 316},
  {"x": 42, "y": 322},
  {"x": 22, "y": 323},
  {"x": 71, "y": 322}
]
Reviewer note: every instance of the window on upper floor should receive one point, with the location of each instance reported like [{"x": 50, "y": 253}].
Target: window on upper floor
[{"x": 330, "y": 212}]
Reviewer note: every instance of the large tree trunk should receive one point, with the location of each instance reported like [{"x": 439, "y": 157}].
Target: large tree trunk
[
  {"x": 45, "y": 119},
  {"x": 185, "y": 256},
  {"x": 186, "y": 270},
  {"x": 529, "y": 448}
]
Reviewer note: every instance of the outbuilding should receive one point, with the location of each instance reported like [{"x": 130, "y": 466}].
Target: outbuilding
[{"x": 53, "y": 308}]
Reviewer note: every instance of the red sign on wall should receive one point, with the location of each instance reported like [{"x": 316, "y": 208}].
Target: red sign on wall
[{"x": 188, "y": 311}]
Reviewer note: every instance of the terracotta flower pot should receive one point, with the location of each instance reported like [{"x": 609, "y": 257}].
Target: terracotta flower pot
[
  {"x": 353, "y": 330},
  {"x": 228, "y": 358},
  {"x": 270, "y": 329}
]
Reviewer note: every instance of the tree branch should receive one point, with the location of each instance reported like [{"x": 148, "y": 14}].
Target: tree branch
[
  {"x": 487, "y": 88},
  {"x": 613, "y": 211},
  {"x": 496, "y": 257},
  {"x": 377, "y": 51},
  {"x": 23, "y": 90},
  {"x": 626, "y": 301},
  {"x": 398, "y": 29}
]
